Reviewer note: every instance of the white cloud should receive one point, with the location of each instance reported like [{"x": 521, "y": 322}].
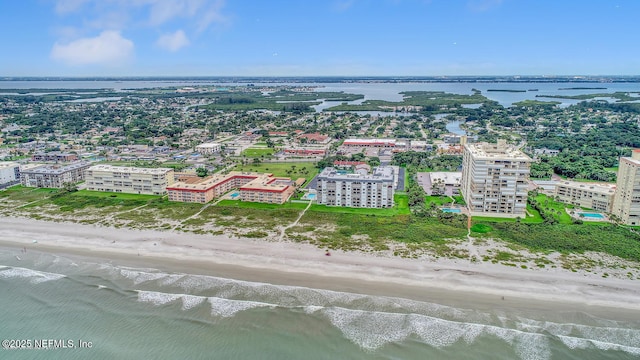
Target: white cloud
[
  {"x": 108, "y": 48},
  {"x": 173, "y": 42},
  {"x": 202, "y": 12},
  {"x": 68, "y": 6}
]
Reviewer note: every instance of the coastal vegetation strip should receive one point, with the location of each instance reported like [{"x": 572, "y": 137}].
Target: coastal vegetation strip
[{"x": 395, "y": 229}]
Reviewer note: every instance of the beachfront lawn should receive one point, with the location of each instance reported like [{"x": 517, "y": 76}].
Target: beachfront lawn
[
  {"x": 550, "y": 207},
  {"x": 296, "y": 170},
  {"x": 401, "y": 207},
  {"x": 533, "y": 217},
  {"x": 366, "y": 232},
  {"x": 257, "y": 205},
  {"x": 567, "y": 239},
  {"x": 114, "y": 195},
  {"x": 26, "y": 194},
  {"x": 438, "y": 200}
]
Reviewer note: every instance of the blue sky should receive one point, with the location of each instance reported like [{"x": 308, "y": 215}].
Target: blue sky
[{"x": 318, "y": 37}]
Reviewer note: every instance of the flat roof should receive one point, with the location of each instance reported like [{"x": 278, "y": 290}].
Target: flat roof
[
  {"x": 453, "y": 177},
  {"x": 498, "y": 151},
  {"x": 595, "y": 187},
  {"x": 57, "y": 169},
  {"x": 129, "y": 169},
  {"x": 206, "y": 145},
  {"x": 259, "y": 181},
  {"x": 369, "y": 141},
  {"x": 380, "y": 174},
  {"x": 6, "y": 164}
]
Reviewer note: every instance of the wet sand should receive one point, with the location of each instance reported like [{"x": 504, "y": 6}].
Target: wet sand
[{"x": 459, "y": 283}]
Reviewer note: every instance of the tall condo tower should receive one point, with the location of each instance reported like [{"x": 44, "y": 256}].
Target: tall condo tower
[
  {"x": 626, "y": 202},
  {"x": 495, "y": 179}
]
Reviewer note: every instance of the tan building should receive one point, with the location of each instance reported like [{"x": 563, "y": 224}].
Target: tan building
[
  {"x": 53, "y": 176},
  {"x": 495, "y": 179},
  {"x": 588, "y": 195},
  {"x": 626, "y": 203},
  {"x": 255, "y": 187},
  {"x": 132, "y": 180}
]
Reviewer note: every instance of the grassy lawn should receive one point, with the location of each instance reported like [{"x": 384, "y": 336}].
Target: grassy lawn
[
  {"x": 439, "y": 200},
  {"x": 305, "y": 170},
  {"x": 113, "y": 195},
  {"x": 26, "y": 194},
  {"x": 557, "y": 209},
  {"x": 257, "y": 152},
  {"x": 257, "y": 205},
  {"x": 401, "y": 208}
]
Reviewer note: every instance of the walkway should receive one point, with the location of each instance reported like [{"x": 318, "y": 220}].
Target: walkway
[{"x": 294, "y": 223}]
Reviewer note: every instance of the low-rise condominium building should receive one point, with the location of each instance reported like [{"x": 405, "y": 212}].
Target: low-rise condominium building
[
  {"x": 132, "y": 180},
  {"x": 53, "y": 176},
  {"x": 251, "y": 186},
  {"x": 587, "y": 195}
]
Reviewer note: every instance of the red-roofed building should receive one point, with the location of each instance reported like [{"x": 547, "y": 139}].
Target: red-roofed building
[
  {"x": 315, "y": 138},
  {"x": 304, "y": 152}
]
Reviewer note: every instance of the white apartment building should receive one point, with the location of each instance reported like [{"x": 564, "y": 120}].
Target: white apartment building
[
  {"x": 588, "y": 195},
  {"x": 9, "y": 173},
  {"x": 208, "y": 148},
  {"x": 132, "y": 180},
  {"x": 356, "y": 190},
  {"x": 495, "y": 179},
  {"x": 626, "y": 203},
  {"x": 53, "y": 176}
]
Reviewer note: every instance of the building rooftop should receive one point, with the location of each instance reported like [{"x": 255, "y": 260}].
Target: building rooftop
[
  {"x": 8, "y": 164},
  {"x": 208, "y": 145},
  {"x": 448, "y": 178},
  {"x": 56, "y": 169},
  {"x": 381, "y": 173},
  {"x": 131, "y": 170},
  {"x": 501, "y": 150},
  {"x": 372, "y": 141},
  {"x": 260, "y": 181},
  {"x": 595, "y": 187}
]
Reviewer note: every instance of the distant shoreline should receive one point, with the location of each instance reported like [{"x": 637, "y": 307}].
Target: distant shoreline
[{"x": 345, "y": 79}]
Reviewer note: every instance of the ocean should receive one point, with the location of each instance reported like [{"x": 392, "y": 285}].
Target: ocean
[
  {"x": 90, "y": 308},
  {"x": 121, "y": 312}
]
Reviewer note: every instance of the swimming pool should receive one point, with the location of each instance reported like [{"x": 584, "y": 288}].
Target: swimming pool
[
  {"x": 449, "y": 210},
  {"x": 311, "y": 196},
  {"x": 591, "y": 215},
  {"x": 235, "y": 194}
]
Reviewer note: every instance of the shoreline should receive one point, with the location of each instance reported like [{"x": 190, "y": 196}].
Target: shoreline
[{"x": 458, "y": 283}]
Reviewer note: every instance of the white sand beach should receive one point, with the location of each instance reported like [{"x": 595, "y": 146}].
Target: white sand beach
[{"x": 447, "y": 281}]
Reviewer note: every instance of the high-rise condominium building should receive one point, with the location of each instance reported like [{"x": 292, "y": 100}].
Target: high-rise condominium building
[
  {"x": 626, "y": 203},
  {"x": 495, "y": 179}
]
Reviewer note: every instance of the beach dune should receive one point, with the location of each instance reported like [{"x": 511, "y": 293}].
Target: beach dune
[{"x": 452, "y": 282}]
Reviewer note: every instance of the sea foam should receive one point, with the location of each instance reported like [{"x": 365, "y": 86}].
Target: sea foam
[{"x": 34, "y": 276}]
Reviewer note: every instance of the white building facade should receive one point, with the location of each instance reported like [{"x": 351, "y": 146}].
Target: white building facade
[
  {"x": 9, "y": 172},
  {"x": 626, "y": 203},
  {"x": 495, "y": 179},
  {"x": 356, "y": 190},
  {"x": 131, "y": 180}
]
